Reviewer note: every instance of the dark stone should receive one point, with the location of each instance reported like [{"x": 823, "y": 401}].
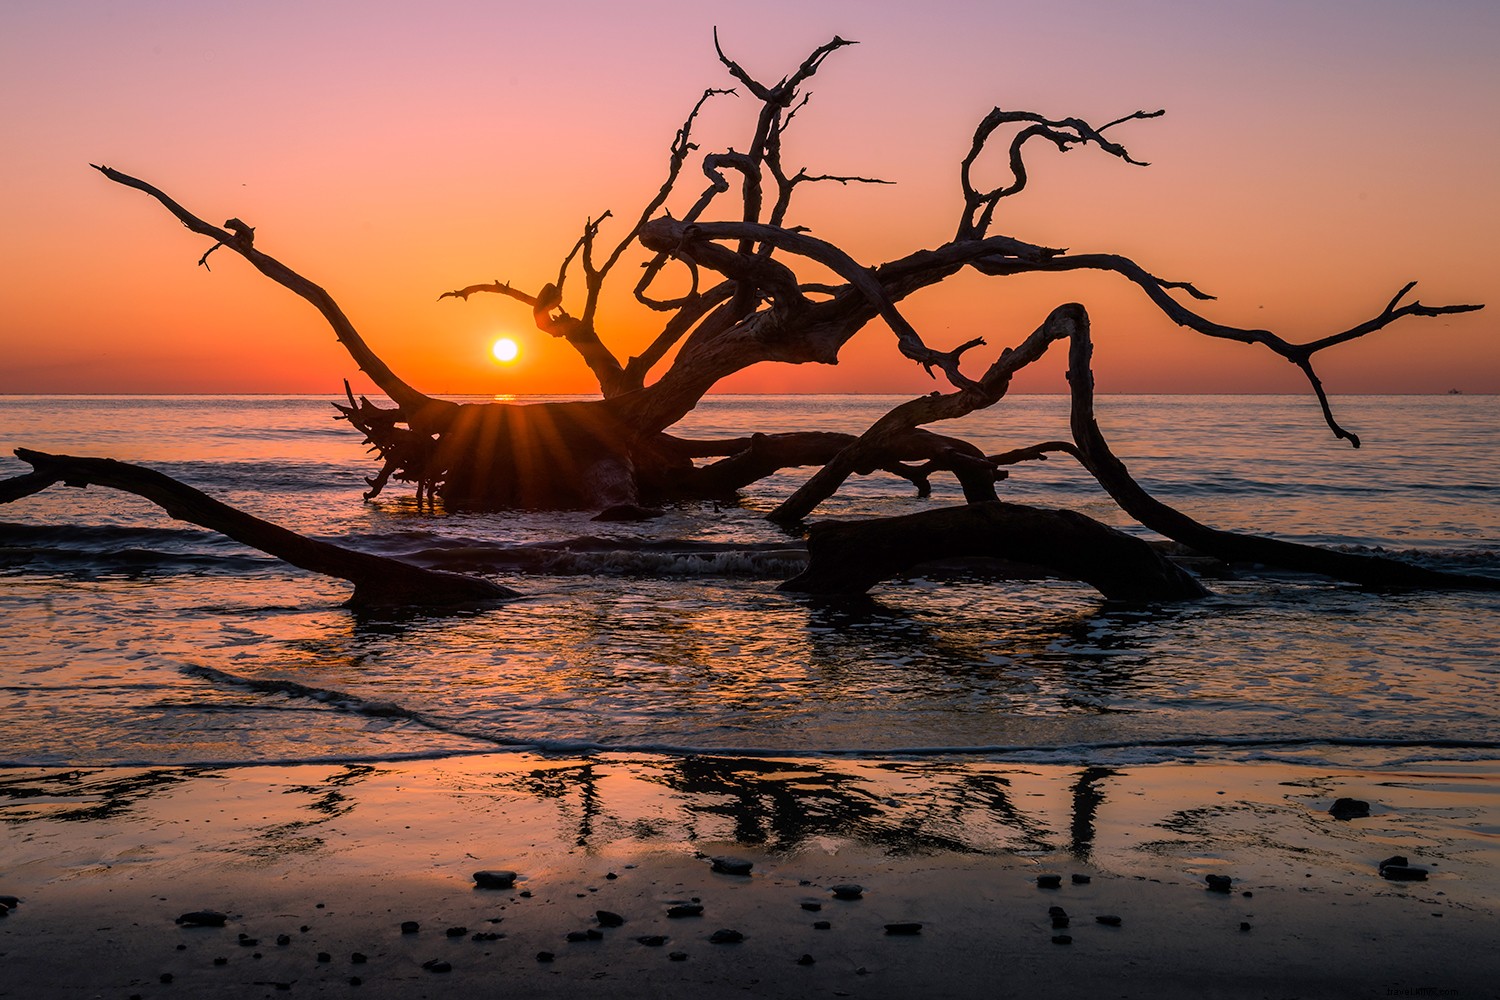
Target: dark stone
[
  {"x": 10, "y": 902},
  {"x": 905, "y": 928},
  {"x": 359, "y": 958},
  {"x": 183, "y": 947},
  {"x": 437, "y": 965},
  {"x": 165, "y": 977},
  {"x": 1218, "y": 883},
  {"x": 1049, "y": 881},
  {"x": 726, "y": 936},
  {"x": 685, "y": 910},
  {"x": 848, "y": 891},
  {"x": 1108, "y": 920},
  {"x": 821, "y": 925},
  {"x": 456, "y": 931},
  {"x": 283, "y": 940},
  {"x": 323, "y": 956},
  {"x": 356, "y": 981},
  {"x": 4, "y": 910},
  {"x": 608, "y": 919},
  {"x": 1404, "y": 873},
  {"x": 486, "y": 936},
  {"x": 678, "y": 956},
  {"x": 806, "y": 960},
  {"x": 1081, "y": 879},
  {"x": 652, "y": 940},
  {"x": 545, "y": 956},
  {"x": 814, "y": 907},
  {"x": 1396, "y": 860},
  {"x": 221, "y": 960},
  {"x": 576, "y": 936},
  {"x": 410, "y": 927},
  {"x": 1244, "y": 926},
  {"x": 304, "y": 929},
  {"x": 627, "y": 512},
  {"x": 525, "y": 893},
  {"x": 319, "y": 905},
  {"x": 1062, "y": 939},
  {"x": 202, "y": 918},
  {"x": 611, "y": 876},
  {"x": 249, "y": 942},
  {"x": 1347, "y": 809},
  {"x": 494, "y": 878},
  {"x": 732, "y": 866},
  {"x": 1247, "y": 894}
]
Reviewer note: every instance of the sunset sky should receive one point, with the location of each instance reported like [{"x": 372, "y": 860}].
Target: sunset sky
[{"x": 1314, "y": 157}]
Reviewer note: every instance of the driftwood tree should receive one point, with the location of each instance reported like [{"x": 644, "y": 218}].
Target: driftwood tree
[{"x": 748, "y": 300}]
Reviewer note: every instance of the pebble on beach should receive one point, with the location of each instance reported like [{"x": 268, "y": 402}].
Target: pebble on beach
[
  {"x": 806, "y": 960},
  {"x": 202, "y": 918},
  {"x": 410, "y": 927},
  {"x": 726, "y": 936},
  {"x": 545, "y": 956},
  {"x": 1398, "y": 869},
  {"x": 848, "y": 891},
  {"x": 1049, "y": 881},
  {"x": 821, "y": 925},
  {"x": 732, "y": 866},
  {"x": 678, "y": 956},
  {"x": 1108, "y": 920},
  {"x": 1218, "y": 883},
  {"x": 904, "y": 928},
  {"x": 437, "y": 965},
  {"x": 1347, "y": 809},
  {"x": 1081, "y": 879},
  {"x": 10, "y": 902},
  {"x": 456, "y": 931},
  {"x": 494, "y": 878},
  {"x": 608, "y": 919},
  {"x": 652, "y": 940},
  {"x": 685, "y": 910}
]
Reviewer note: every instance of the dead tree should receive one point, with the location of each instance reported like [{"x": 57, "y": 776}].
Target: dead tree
[{"x": 748, "y": 300}]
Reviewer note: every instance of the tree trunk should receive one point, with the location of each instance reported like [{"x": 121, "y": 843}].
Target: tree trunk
[
  {"x": 378, "y": 581},
  {"x": 850, "y": 557}
]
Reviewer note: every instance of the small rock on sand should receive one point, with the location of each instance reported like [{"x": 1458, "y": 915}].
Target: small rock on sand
[
  {"x": 1347, "y": 809},
  {"x": 732, "y": 866},
  {"x": 202, "y": 918},
  {"x": 10, "y": 902},
  {"x": 494, "y": 878},
  {"x": 678, "y": 956},
  {"x": 410, "y": 927},
  {"x": 904, "y": 928},
  {"x": 806, "y": 960},
  {"x": 608, "y": 919},
  {"x": 726, "y": 936},
  {"x": 545, "y": 956},
  {"x": 814, "y": 907},
  {"x": 1218, "y": 883},
  {"x": 821, "y": 925},
  {"x": 652, "y": 940},
  {"x": 456, "y": 931},
  {"x": 848, "y": 891},
  {"x": 1404, "y": 873},
  {"x": 1108, "y": 920},
  {"x": 1049, "y": 881},
  {"x": 437, "y": 965},
  {"x": 1081, "y": 879},
  {"x": 685, "y": 910}
]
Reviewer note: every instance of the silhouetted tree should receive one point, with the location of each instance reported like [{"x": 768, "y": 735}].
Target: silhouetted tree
[{"x": 748, "y": 301}]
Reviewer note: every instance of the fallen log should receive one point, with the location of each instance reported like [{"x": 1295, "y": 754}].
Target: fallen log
[
  {"x": 850, "y": 557},
  {"x": 379, "y": 582}
]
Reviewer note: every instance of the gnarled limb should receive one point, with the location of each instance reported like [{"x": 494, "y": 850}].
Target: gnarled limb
[
  {"x": 418, "y": 407},
  {"x": 378, "y": 581},
  {"x": 850, "y": 557},
  {"x": 1095, "y": 454},
  {"x": 926, "y": 409}
]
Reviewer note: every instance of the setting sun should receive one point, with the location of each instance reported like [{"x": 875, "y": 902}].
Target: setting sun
[{"x": 505, "y": 350}]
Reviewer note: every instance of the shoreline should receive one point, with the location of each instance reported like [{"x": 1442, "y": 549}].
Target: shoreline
[{"x": 104, "y": 859}]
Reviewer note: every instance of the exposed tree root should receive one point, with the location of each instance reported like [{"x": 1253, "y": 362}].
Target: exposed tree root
[{"x": 850, "y": 557}]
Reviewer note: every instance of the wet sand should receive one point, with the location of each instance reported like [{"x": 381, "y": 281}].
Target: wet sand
[{"x": 336, "y": 857}]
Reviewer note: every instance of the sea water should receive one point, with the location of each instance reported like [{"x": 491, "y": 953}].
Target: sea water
[{"x": 130, "y": 638}]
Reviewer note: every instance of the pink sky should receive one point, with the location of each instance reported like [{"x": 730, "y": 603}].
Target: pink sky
[{"x": 1314, "y": 157}]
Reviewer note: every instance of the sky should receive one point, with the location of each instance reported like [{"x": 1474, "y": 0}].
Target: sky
[{"x": 1314, "y": 157}]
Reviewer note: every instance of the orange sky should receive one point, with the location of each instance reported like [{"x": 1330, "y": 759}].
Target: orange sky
[{"x": 1315, "y": 156}]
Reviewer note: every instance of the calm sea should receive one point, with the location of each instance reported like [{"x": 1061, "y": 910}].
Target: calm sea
[{"x": 126, "y": 637}]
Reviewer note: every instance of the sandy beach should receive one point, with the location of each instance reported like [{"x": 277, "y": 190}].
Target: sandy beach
[{"x": 316, "y": 866}]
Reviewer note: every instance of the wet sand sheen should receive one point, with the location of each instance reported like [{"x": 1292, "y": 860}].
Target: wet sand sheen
[{"x": 104, "y": 860}]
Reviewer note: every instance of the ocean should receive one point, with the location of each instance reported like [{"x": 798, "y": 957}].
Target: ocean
[{"x": 127, "y": 638}]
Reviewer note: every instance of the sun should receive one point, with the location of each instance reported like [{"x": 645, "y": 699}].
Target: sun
[{"x": 505, "y": 350}]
